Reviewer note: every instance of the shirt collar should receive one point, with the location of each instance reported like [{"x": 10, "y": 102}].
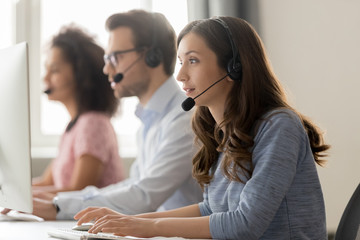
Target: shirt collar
[{"x": 158, "y": 101}]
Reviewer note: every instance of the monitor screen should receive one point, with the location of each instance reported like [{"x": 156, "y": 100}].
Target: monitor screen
[{"x": 15, "y": 161}]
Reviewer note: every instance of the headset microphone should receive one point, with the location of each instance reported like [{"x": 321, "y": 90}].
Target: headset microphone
[
  {"x": 118, "y": 77},
  {"x": 48, "y": 91},
  {"x": 189, "y": 103}
]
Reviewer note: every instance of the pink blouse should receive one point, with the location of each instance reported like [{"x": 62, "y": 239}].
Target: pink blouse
[{"x": 92, "y": 134}]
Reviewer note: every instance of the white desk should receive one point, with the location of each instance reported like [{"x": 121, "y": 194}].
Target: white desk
[
  {"x": 17, "y": 230},
  {"x": 21, "y": 230}
]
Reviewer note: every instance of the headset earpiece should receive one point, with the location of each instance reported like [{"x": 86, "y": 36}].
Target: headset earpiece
[
  {"x": 153, "y": 56},
  {"x": 234, "y": 67}
]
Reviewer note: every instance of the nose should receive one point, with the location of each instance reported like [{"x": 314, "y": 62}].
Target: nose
[
  {"x": 182, "y": 76},
  {"x": 46, "y": 77},
  {"x": 106, "y": 69}
]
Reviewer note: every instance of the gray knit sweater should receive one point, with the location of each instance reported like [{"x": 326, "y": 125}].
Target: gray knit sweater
[{"x": 282, "y": 199}]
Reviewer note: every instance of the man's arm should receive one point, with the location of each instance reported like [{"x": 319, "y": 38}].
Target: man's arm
[{"x": 162, "y": 176}]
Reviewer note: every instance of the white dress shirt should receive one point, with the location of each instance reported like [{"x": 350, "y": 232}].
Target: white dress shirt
[{"x": 160, "y": 177}]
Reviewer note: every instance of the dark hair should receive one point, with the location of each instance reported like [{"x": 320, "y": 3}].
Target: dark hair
[
  {"x": 258, "y": 92},
  {"x": 146, "y": 28},
  {"x": 93, "y": 91}
]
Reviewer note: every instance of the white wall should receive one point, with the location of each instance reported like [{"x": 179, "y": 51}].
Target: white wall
[{"x": 314, "y": 47}]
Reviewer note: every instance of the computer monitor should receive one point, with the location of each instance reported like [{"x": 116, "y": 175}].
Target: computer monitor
[{"x": 15, "y": 161}]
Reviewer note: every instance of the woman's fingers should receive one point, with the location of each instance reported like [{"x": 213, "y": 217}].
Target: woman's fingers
[
  {"x": 89, "y": 214},
  {"x": 95, "y": 213}
]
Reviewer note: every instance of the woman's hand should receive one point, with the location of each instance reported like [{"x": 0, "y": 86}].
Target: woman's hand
[
  {"x": 125, "y": 226},
  {"x": 5, "y": 211},
  {"x": 93, "y": 213},
  {"x": 107, "y": 220}
]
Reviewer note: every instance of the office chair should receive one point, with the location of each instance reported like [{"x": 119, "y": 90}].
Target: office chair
[{"x": 349, "y": 226}]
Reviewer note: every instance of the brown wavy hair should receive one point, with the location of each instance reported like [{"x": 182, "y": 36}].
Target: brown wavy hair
[
  {"x": 258, "y": 92},
  {"x": 79, "y": 48}
]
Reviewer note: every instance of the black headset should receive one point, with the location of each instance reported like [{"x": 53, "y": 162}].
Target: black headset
[
  {"x": 153, "y": 56},
  {"x": 234, "y": 67}
]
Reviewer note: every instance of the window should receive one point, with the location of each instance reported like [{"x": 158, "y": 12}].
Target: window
[
  {"x": 53, "y": 115},
  {"x": 44, "y": 18}
]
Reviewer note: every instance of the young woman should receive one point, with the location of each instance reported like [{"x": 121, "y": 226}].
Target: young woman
[
  {"x": 88, "y": 151},
  {"x": 257, "y": 157}
]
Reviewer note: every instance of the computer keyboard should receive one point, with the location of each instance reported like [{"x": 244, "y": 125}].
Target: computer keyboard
[{"x": 81, "y": 235}]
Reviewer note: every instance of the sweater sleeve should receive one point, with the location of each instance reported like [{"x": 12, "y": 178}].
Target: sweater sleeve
[
  {"x": 278, "y": 144},
  {"x": 204, "y": 207}
]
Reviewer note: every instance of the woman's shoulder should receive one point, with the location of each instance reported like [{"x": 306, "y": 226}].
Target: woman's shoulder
[
  {"x": 282, "y": 125},
  {"x": 280, "y": 118},
  {"x": 281, "y": 114},
  {"x": 93, "y": 119},
  {"x": 95, "y": 116}
]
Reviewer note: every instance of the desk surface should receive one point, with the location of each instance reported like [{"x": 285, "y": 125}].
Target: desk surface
[{"x": 15, "y": 230}]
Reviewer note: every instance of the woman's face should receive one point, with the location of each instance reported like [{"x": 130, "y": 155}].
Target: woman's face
[
  {"x": 199, "y": 69},
  {"x": 59, "y": 77}
]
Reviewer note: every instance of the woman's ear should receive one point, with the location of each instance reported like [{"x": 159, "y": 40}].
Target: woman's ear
[{"x": 228, "y": 78}]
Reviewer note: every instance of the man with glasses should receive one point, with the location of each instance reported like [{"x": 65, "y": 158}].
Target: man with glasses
[{"x": 140, "y": 61}]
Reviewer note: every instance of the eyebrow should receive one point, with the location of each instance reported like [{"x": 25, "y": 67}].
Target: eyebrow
[
  {"x": 52, "y": 65},
  {"x": 191, "y": 51}
]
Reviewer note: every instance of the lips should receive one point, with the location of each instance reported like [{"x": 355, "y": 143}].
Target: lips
[
  {"x": 113, "y": 84},
  {"x": 188, "y": 91}
]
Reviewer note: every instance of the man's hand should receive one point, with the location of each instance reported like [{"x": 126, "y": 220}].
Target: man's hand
[{"x": 44, "y": 208}]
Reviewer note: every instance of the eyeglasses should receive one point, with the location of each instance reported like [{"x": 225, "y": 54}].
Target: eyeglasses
[{"x": 112, "y": 57}]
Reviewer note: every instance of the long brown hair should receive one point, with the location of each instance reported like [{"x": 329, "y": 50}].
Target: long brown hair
[{"x": 258, "y": 92}]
